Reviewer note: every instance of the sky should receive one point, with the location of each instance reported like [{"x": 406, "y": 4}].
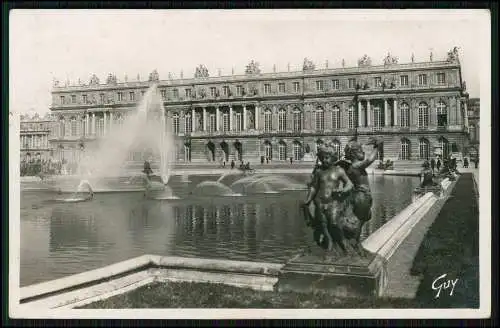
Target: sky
[{"x": 71, "y": 45}]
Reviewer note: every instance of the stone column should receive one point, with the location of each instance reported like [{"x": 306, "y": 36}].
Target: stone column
[
  {"x": 231, "y": 118},
  {"x": 244, "y": 117},
  {"x": 87, "y": 124},
  {"x": 466, "y": 115},
  {"x": 111, "y": 121},
  {"x": 204, "y": 119},
  {"x": 193, "y": 120},
  {"x": 387, "y": 115},
  {"x": 396, "y": 116},
  {"x": 256, "y": 117},
  {"x": 459, "y": 115},
  {"x": 368, "y": 113},
  {"x": 93, "y": 123},
  {"x": 105, "y": 129},
  {"x": 359, "y": 123},
  {"x": 217, "y": 114}
]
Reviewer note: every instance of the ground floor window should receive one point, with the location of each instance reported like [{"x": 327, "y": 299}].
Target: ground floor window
[
  {"x": 424, "y": 149},
  {"x": 297, "y": 151},
  {"x": 405, "y": 149},
  {"x": 268, "y": 151},
  {"x": 282, "y": 152}
]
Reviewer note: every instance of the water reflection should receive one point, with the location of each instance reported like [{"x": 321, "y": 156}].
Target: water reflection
[{"x": 72, "y": 238}]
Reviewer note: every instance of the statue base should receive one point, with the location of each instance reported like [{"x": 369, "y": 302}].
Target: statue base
[{"x": 348, "y": 276}]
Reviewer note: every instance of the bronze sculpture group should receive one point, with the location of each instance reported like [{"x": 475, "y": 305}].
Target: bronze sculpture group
[{"x": 339, "y": 200}]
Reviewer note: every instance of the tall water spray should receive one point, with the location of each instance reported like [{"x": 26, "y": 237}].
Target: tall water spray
[{"x": 143, "y": 130}]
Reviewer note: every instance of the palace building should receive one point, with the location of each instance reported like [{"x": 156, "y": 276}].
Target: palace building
[
  {"x": 34, "y": 137},
  {"x": 418, "y": 108}
]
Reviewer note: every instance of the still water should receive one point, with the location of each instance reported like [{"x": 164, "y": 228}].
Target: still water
[{"x": 59, "y": 239}]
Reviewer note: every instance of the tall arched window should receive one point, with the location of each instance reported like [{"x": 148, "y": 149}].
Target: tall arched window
[
  {"x": 377, "y": 116},
  {"x": 423, "y": 115},
  {"x": 405, "y": 115},
  {"x": 405, "y": 149},
  {"x": 268, "y": 120},
  {"x": 62, "y": 127},
  {"x": 188, "y": 123},
  {"x": 99, "y": 125},
  {"x": 424, "y": 148},
  {"x": 175, "y": 123},
  {"x": 297, "y": 120},
  {"x": 282, "y": 120},
  {"x": 336, "y": 147},
  {"x": 225, "y": 121},
  {"x": 472, "y": 133},
  {"x": 238, "y": 121},
  {"x": 445, "y": 147},
  {"x": 83, "y": 123},
  {"x": 268, "y": 150},
  {"x": 351, "y": 117},
  {"x": 320, "y": 118},
  {"x": 297, "y": 151},
  {"x": 282, "y": 151},
  {"x": 336, "y": 117},
  {"x": 442, "y": 114},
  {"x": 74, "y": 126}
]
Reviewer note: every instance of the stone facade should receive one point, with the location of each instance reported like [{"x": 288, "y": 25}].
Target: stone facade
[
  {"x": 417, "y": 108},
  {"x": 473, "y": 120},
  {"x": 34, "y": 137}
]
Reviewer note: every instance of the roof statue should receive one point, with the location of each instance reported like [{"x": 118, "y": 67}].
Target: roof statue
[
  {"x": 55, "y": 82},
  {"x": 154, "y": 76},
  {"x": 111, "y": 79},
  {"x": 430, "y": 56},
  {"x": 182, "y": 74},
  {"x": 138, "y": 77},
  {"x": 389, "y": 60},
  {"x": 326, "y": 64},
  {"x": 126, "y": 78},
  {"x": 201, "y": 72},
  {"x": 94, "y": 80},
  {"x": 288, "y": 67},
  {"x": 343, "y": 62},
  {"x": 364, "y": 61},
  {"x": 169, "y": 75},
  {"x": 308, "y": 65},
  {"x": 412, "y": 57},
  {"x": 274, "y": 68},
  {"x": 464, "y": 86},
  {"x": 452, "y": 55},
  {"x": 252, "y": 68}
]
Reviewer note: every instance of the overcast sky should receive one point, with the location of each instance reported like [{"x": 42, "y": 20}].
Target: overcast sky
[{"x": 75, "y": 44}]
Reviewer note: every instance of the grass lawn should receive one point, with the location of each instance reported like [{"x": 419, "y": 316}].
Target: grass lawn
[
  {"x": 451, "y": 246},
  {"x": 203, "y": 295}
]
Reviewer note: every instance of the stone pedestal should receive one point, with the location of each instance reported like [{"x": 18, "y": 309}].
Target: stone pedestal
[{"x": 344, "y": 277}]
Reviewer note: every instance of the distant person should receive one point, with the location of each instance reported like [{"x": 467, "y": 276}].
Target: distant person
[
  {"x": 267, "y": 160},
  {"x": 232, "y": 164},
  {"x": 438, "y": 164},
  {"x": 433, "y": 164},
  {"x": 475, "y": 163},
  {"x": 261, "y": 159},
  {"x": 291, "y": 160},
  {"x": 466, "y": 162},
  {"x": 147, "y": 168}
]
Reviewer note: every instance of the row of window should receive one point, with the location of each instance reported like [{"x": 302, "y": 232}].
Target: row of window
[
  {"x": 321, "y": 85},
  {"x": 75, "y": 128},
  {"x": 319, "y": 119},
  {"x": 298, "y": 151},
  {"x": 102, "y": 98}
]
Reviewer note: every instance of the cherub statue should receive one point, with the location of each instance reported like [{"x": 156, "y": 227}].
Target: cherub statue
[{"x": 325, "y": 204}]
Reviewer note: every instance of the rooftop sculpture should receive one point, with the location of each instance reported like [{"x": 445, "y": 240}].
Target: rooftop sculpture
[
  {"x": 389, "y": 59},
  {"x": 201, "y": 72},
  {"x": 364, "y": 61},
  {"x": 308, "y": 65},
  {"x": 94, "y": 80},
  {"x": 252, "y": 68},
  {"x": 154, "y": 76},
  {"x": 111, "y": 79}
]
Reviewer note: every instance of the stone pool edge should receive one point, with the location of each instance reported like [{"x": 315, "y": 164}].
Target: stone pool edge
[{"x": 99, "y": 284}]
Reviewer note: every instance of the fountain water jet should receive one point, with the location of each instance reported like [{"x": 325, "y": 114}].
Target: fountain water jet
[{"x": 143, "y": 131}]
